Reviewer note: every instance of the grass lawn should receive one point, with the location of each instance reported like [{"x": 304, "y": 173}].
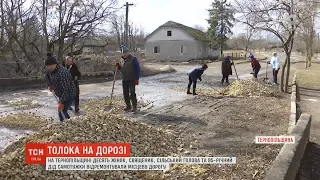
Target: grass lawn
[{"x": 308, "y": 77}]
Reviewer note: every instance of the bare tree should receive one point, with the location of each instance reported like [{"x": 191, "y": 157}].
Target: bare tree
[
  {"x": 73, "y": 18},
  {"x": 141, "y": 37},
  {"x": 118, "y": 29},
  {"x": 281, "y": 18},
  {"x": 306, "y": 33},
  {"x": 20, "y": 25}
]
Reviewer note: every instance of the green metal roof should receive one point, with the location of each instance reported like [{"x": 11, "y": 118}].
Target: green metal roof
[{"x": 197, "y": 34}]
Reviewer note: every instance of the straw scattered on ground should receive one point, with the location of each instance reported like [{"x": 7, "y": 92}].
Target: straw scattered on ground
[
  {"x": 250, "y": 88},
  {"x": 149, "y": 71}
]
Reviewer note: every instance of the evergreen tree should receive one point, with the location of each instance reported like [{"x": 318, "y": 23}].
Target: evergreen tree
[{"x": 221, "y": 19}]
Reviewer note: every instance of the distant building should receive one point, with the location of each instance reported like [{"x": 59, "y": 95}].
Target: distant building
[{"x": 177, "y": 42}]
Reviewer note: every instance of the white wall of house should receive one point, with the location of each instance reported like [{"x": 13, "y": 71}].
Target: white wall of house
[
  {"x": 213, "y": 52},
  {"x": 176, "y": 50},
  {"x": 180, "y": 46},
  {"x": 176, "y": 34}
]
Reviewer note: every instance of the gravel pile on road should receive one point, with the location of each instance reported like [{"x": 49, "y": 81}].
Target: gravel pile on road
[
  {"x": 23, "y": 121},
  {"x": 97, "y": 126},
  {"x": 249, "y": 88}
]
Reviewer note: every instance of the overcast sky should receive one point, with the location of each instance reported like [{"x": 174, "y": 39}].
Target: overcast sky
[{"x": 150, "y": 14}]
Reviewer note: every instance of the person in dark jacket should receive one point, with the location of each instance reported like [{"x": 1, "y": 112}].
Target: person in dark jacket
[
  {"x": 195, "y": 74},
  {"x": 60, "y": 81},
  {"x": 130, "y": 70},
  {"x": 226, "y": 69},
  {"x": 75, "y": 73},
  {"x": 255, "y": 66}
]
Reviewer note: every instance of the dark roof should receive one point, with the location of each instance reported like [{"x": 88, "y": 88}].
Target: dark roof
[{"x": 197, "y": 34}]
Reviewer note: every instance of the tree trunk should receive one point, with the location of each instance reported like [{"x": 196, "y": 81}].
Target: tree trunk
[
  {"x": 311, "y": 51},
  {"x": 60, "y": 50},
  {"x": 2, "y": 24},
  {"x": 307, "y": 57},
  {"x": 44, "y": 25},
  {"x": 287, "y": 75},
  {"x": 50, "y": 47},
  {"x": 72, "y": 45},
  {"x": 282, "y": 74}
]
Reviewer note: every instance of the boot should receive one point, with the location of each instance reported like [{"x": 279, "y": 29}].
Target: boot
[
  {"x": 194, "y": 92},
  {"x": 134, "y": 109},
  {"x": 188, "y": 91},
  {"x": 127, "y": 109}
]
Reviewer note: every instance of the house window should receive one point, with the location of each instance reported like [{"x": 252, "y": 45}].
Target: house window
[
  {"x": 169, "y": 33},
  {"x": 183, "y": 50},
  {"x": 156, "y": 49}
]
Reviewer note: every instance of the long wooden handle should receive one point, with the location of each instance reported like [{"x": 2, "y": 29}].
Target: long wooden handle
[
  {"x": 234, "y": 67},
  {"x": 114, "y": 80}
]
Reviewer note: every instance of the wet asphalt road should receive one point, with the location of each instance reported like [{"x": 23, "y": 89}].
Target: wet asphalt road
[{"x": 150, "y": 89}]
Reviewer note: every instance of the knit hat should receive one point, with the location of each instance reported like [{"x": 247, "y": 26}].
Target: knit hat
[
  {"x": 124, "y": 49},
  {"x": 227, "y": 58},
  {"x": 50, "y": 60},
  {"x": 205, "y": 66},
  {"x": 251, "y": 56}
]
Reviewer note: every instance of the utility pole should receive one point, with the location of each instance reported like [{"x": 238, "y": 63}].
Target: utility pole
[{"x": 126, "y": 34}]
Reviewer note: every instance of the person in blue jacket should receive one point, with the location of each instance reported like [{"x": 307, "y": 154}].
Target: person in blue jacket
[
  {"x": 130, "y": 70},
  {"x": 195, "y": 74}
]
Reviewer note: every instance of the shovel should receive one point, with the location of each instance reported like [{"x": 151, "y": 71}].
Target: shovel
[{"x": 111, "y": 96}]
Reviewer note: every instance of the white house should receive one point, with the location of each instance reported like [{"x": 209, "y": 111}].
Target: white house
[{"x": 176, "y": 42}]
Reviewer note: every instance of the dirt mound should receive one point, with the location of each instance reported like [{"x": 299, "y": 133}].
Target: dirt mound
[
  {"x": 149, "y": 71},
  {"x": 249, "y": 88},
  {"x": 97, "y": 126}
]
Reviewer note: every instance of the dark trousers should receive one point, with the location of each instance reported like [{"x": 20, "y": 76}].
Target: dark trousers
[
  {"x": 192, "y": 81},
  {"x": 129, "y": 93},
  {"x": 225, "y": 77},
  {"x": 76, "y": 100},
  {"x": 275, "y": 75},
  {"x": 256, "y": 72},
  {"x": 67, "y": 105}
]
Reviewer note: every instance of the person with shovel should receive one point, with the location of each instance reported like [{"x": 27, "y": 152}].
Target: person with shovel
[
  {"x": 226, "y": 69},
  {"x": 130, "y": 70},
  {"x": 195, "y": 74},
  {"x": 60, "y": 82},
  {"x": 255, "y": 66},
  {"x": 275, "y": 62},
  {"x": 75, "y": 73}
]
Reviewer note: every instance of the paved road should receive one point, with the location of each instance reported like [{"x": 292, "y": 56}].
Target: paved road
[
  {"x": 310, "y": 166},
  {"x": 149, "y": 89}
]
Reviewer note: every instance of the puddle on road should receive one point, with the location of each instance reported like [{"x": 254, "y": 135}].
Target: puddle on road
[{"x": 8, "y": 136}]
